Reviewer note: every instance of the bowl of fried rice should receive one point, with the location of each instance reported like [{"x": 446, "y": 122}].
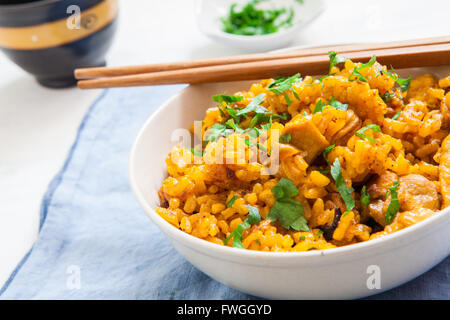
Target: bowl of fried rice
[{"x": 304, "y": 187}]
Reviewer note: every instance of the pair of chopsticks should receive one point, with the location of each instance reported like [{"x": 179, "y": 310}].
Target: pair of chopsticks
[{"x": 314, "y": 61}]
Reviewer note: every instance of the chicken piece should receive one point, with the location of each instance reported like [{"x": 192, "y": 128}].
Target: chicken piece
[
  {"x": 306, "y": 137},
  {"x": 408, "y": 218},
  {"x": 377, "y": 212},
  {"x": 416, "y": 191},
  {"x": 286, "y": 151},
  {"x": 444, "y": 172},
  {"x": 352, "y": 124},
  {"x": 380, "y": 185}
]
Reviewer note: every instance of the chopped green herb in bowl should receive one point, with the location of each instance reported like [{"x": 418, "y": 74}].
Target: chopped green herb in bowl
[{"x": 252, "y": 19}]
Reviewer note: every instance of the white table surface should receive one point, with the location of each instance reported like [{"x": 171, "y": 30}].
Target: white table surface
[{"x": 39, "y": 125}]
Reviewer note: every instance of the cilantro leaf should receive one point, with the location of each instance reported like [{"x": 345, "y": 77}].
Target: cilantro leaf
[
  {"x": 387, "y": 96},
  {"x": 233, "y": 125},
  {"x": 283, "y": 84},
  {"x": 337, "y": 105},
  {"x": 290, "y": 214},
  {"x": 365, "y": 197},
  {"x": 232, "y": 200},
  {"x": 253, "y": 215},
  {"x": 341, "y": 186},
  {"x": 396, "y": 116},
  {"x": 288, "y": 211},
  {"x": 285, "y": 138},
  {"x": 363, "y": 66},
  {"x": 196, "y": 152},
  {"x": 327, "y": 151},
  {"x": 217, "y": 130},
  {"x": 288, "y": 100},
  {"x": 254, "y": 105},
  {"x": 319, "y": 106},
  {"x": 360, "y": 133},
  {"x": 394, "y": 205},
  {"x": 228, "y": 99},
  {"x": 285, "y": 188},
  {"x": 252, "y": 218},
  {"x": 335, "y": 59},
  {"x": 233, "y": 113},
  {"x": 403, "y": 83}
]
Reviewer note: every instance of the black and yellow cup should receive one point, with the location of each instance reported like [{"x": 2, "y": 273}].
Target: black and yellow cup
[{"x": 51, "y": 38}]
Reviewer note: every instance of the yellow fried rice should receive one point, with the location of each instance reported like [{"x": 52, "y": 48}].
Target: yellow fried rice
[{"x": 367, "y": 152}]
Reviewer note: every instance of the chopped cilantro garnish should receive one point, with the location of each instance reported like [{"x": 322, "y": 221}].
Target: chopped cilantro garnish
[
  {"x": 396, "y": 116},
  {"x": 233, "y": 113},
  {"x": 252, "y": 218},
  {"x": 231, "y": 202},
  {"x": 365, "y": 197},
  {"x": 335, "y": 59},
  {"x": 283, "y": 84},
  {"x": 288, "y": 100},
  {"x": 233, "y": 126},
  {"x": 285, "y": 138},
  {"x": 327, "y": 151},
  {"x": 363, "y": 66},
  {"x": 360, "y": 133},
  {"x": 284, "y": 189},
  {"x": 337, "y": 105},
  {"x": 319, "y": 106},
  {"x": 319, "y": 233},
  {"x": 254, "y": 106},
  {"x": 403, "y": 83},
  {"x": 387, "y": 96},
  {"x": 222, "y": 113},
  {"x": 196, "y": 152},
  {"x": 295, "y": 94},
  {"x": 228, "y": 99},
  {"x": 394, "y": 205},
  {"x": 287, "y": 210},
  {"x": 251, "y": 20},
  {"x": 341, "y": 186},
  {"x": 333, "y": 102},
  {"x": 217, "y": 130}
]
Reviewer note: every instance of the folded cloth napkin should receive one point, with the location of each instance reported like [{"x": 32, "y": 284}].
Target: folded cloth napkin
[{"x": 95, "y": 242}]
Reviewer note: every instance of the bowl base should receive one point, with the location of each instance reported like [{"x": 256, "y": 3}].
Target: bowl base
[
  {"x": 62, "y": 82},
  {"x": 56, "y": 83}
]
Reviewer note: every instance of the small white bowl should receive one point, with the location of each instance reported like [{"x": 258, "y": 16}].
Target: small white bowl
[
  {"x": 328, "y": 274},
  {"x": 209, "y": 12}
]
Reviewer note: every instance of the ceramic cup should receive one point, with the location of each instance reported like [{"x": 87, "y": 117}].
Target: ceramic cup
[{"x": 51, "y": 38}]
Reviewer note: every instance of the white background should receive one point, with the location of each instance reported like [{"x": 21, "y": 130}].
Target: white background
[{"x": 38, "y": 125}]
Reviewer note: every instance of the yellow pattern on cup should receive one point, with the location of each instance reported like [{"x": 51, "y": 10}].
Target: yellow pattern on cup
[{"x": 56, "y": 33}]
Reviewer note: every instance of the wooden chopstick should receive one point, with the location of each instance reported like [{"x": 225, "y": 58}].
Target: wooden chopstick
[
  {"x": 90, "y": 73},
  {"x": 403, "y": 57}
]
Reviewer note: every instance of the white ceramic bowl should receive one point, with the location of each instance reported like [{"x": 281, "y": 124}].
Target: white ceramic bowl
[
  {"x": 334, "y": 273},
  {"x": 209, "y": 12}
]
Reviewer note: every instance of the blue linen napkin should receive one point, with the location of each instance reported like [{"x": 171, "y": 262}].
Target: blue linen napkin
[{"x": 95, "y": 242}]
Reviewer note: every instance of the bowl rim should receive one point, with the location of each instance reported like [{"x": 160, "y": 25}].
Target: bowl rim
[
  {"x": 28, "y": 5},
  {"x": 204, "y": 246}
]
